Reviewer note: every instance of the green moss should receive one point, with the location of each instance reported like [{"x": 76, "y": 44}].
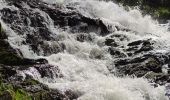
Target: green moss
[
  {"x": 40, "y": 95},
  {"x": 22, "y": 95},
  {"x": 31, "y": 82},
  {"x": 7, "y": 91},
  {"x": 152, "y": 75},
  {"x": 37, "y": 96},
  {"x": 163, "y": 12},
  {"x": 156, "y": 8}
]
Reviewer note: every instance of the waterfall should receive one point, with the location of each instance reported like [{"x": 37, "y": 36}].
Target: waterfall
[{"x": 83, "y": 58}]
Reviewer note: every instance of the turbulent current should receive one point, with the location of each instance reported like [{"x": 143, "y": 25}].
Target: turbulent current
[{"x": 85, "y": 64}]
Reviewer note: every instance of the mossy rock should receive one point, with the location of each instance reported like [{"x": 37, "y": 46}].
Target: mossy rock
[
  {"x": 152, "y": 75},
  {"x": 30, "y": 82},
  {"x": 8, "y": 55},
  {"x": 6, "y": 95},
  {"x": 22, "y": 95},
  {"x": 9, "y": 58},
  {"x": 43, "y": 95},
  {"x": 8, "y": 92},
  {"x": 154, "y": 65}
]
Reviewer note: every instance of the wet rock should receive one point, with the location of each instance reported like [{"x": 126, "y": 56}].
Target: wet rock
[
  {"x": 118, "y": 28},
  {"x": 111, "y": 42},
  {"x": 120, "y": 37},
  {"x": 139, "y": 66},
  {"x": 30, "y": 88},
  {"x": 36, "y": 23},
  {"x": 84, "y": 37},
  {"x": 52, "y": 47},
  {"x": 135, "y": 43},
  {"x": 76, "y": 21},
  {"x": 159, "y": 78},
  {"x": 55, "y": 95},
  {"x": 7, "y": 71},
  {"x": 116, "y": 53},
  {"x": 49, "y": 71},
  {"x": 6, "y": 96},
  {"x": 96, "y": 54},
  {"x": 9, "y": 56},
  {"x": 140, "y": 46}
]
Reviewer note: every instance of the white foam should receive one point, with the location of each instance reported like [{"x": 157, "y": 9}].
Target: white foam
[
  {"x": 93, "y": 81},
  {"x": 54, "y": 1},
  {"x": 88, "y": 76}
]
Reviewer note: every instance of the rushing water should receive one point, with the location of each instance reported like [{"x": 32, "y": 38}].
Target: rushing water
[{"x": 83, "y": 73}]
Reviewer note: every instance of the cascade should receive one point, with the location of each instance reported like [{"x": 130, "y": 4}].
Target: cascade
[{"x": 96, "y": 48}]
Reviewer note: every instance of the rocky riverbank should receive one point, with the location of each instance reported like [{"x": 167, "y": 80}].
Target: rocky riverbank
[{"x": 135, "y": 58}]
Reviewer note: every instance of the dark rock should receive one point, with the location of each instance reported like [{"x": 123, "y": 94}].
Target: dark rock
[
  {"x": 116, "y": 53},
  {"x": 159, "y": 78},
  {"x": 139, "y": 66},
  {"x": 49, "y": 71},
  {"x": 84, "y": 37},
  {"x": 136, "y": 43},
  {"x": 41, "y": 61},
  {"x": 7, "y": 71},
  {"x": 35, "y": 23},
  {"x": 120, "y": 37},
  {"x": 140, "y": 46},
  {"x": 55, "y": 95},
  {"x": 122, "y": 29},
  {"x": 52, "y": 47},
  {"x": 26, "y": 61},
  {"x": 76, "y": 21},
  {"x": 6, "y": 96},
  {"x": 111, "y": 42},
  {"x": 9, "y": 58}
]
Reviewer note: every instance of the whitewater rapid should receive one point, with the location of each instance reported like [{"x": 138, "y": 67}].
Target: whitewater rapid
[{"x": 83, "y": 73}]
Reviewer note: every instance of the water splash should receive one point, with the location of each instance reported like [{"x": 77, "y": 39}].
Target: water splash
[{"x": 87, "y": 74}]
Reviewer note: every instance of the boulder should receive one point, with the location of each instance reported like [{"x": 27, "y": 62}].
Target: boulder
[
  {"x": 116, "y": 53},
  {"x": 48, "y": 71},
  {"x": 140, "y": 66},
  {"x": 140, "y": 46}
]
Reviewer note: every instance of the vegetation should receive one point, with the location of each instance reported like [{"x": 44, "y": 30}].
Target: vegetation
[
  {"x": 30, "y": 82},
  {"x": 11, "y": 92},
  {"x": 159, "y": 9},
  {"x": 8, "y": 92},
  {"x": 163, "y": 12}
]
